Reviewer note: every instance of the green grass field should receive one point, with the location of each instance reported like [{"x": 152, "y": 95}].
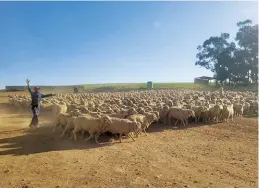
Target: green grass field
[
  {"x": 119, "y": 86},
  {"x": 130, "y": 86},
  {"x": 144, "y": 86}
]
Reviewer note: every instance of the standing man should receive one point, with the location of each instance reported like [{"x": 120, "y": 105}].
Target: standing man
[
  {"x": 75, "y": 89},
  {"x": 36, "y": 97}
]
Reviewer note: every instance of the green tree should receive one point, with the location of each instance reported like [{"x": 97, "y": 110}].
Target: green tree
[
  {"x": 216, "y": 54},
  {"x": 235, "y": 63},
  {"x": 247, "y": 38}
]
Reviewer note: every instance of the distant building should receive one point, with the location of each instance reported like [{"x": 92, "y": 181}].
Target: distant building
[
  {"x": 203, "y": 80},
  {"x": 149, "y": 85}
]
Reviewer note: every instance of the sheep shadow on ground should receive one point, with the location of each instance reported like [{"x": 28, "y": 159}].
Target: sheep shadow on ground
[
  {"x": 4, "y": 106},
  {"x": 41, "y": 140},
  {"x": 191, "y": 124},
  {"x": 162, "y": 127}
]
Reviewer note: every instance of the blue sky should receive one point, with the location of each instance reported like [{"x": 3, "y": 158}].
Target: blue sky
[{"x": 63, "y": 43}]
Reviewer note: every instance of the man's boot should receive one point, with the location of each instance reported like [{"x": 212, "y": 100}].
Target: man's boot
[
  {"x": 32, "y": 122},
  {"x": 36, "y": 121}
]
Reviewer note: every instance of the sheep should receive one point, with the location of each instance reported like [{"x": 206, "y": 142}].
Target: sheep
[
  {"x": 151, "y": 117},
  {"x": 141, "y": 110},
  {"x": 59, "y": 108},
  {"x": 69, "y": 126},
  {"x": 75, "y": 112},
  {"x": 71, "y": 107},
  {"x": 198, "y": 111},
  {"x": 214, "y": 113},
  {"x": 227, "y": 112},
  {"x": 122, "y": 126},
  {"x": 144, "y": 120},
  {"x": 123, "y": 104},
  {"x": 254, "y": 106},
  {"x": 246, "y": 107},
  {"x": 163, "y": 112},
  {"x": 90, "y": 124},
  {"x": 117, "y": 115},
  {"x": 205, "y": 114},
  {"x": 238, "y": 109},
  {"x": 157, "y": 116},
  {"x": 130, "y": 112},
  {"x": 61, "y": 119},
  {"x": 180, "y": 114}
]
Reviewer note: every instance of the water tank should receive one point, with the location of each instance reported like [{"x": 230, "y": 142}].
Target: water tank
[{"x": 149, "y": 85}]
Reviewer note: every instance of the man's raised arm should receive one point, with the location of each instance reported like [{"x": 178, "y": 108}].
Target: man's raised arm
[
  {"x": 28, "y": 85},
  {"x": 47, "y": 95}
]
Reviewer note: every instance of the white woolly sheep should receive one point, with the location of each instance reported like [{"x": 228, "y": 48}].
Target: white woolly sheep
[
  {"x": 238, "y": 109},
  {"x": 227, "y": 112},
  {"x": 90, "y": 124},
  {"x": 61, "y": 120},
  {"x": 180, "y": 115},
  {"x": 122, "y": 126}
]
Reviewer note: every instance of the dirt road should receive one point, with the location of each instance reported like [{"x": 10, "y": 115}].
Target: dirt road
[{"x": 222, "y": 155}]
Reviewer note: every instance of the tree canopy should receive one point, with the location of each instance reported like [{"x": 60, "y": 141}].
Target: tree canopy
[{"x": 233, "y": 61}]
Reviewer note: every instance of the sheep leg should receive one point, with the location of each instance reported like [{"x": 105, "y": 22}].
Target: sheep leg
[
  {"x": 183, "y": 122},
  {"x": 120, "y": 137},
  {"x": 186, "y": 122},
  {"x": 54, "y": 129},
  {"x": 130, "y": 134},
  {"x": 136, "y": 133},
  {"x": 198, "y": 119},
  {"x": 70, "y": 135},
  {"x": 144, "y": 129},
  {"x": 82, "y": 135},
  {"x": 217, "y": 119},
  {"x": 64, "y": 131},
  {"x": 74, "y": 133},
  {"x": 169, "y": 120},
  {"x": 96, "y": 138},
  {"x": 176, "y": 122},
  {"x": 91, "y": 135}
]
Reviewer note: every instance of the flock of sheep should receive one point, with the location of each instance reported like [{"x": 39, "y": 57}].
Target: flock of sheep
[{"x": 132, "y": 113}]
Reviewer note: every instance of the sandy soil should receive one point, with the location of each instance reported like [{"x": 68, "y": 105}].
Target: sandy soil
[{"x": 222, "y": 155}]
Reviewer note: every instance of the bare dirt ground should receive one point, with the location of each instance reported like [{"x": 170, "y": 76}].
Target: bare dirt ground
[{"x": 216, "y": 156}]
